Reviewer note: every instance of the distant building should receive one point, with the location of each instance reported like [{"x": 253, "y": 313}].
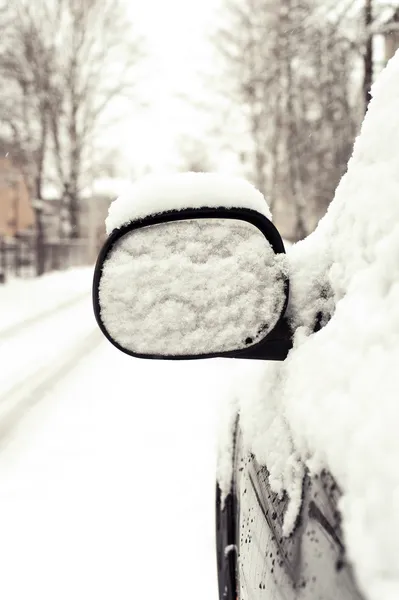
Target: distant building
[
  {"x": 96, "y": 201},
  {"x": 94, "y": 204},
  {"x": 17, "y": 216},
  {"x": 16, "y": 213}
]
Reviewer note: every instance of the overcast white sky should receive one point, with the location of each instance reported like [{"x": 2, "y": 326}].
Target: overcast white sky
[
  {"x": 176, "y": 33},
  {"x": 179, "y": 55}
]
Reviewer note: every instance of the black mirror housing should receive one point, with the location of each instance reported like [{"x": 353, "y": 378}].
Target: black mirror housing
[{"x": 272, "y": 344}]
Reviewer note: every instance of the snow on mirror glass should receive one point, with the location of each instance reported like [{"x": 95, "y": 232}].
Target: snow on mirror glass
[{"x": 191, "y": 287}]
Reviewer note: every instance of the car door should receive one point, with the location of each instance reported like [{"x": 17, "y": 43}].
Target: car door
[
  {"x": 324, "y": 422},
  {"x": 257, "y": 561}
]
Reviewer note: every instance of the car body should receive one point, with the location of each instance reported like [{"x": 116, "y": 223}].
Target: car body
[
  {"x": 307, "y": 497},
  {"x": 256, "y": 560}
]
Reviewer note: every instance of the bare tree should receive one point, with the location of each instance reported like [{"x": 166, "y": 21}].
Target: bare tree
[
  {"x": 290, "y": 72},
  {"x": 98, "y": 67},
  {"x": 64, "y": 64},
  {"x": 244, "y": 46},
  {"x": 25, "y": 70}
]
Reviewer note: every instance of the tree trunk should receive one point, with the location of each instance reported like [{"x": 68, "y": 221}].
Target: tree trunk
[
  {"x": 292, "y": 136},
  {"x": 40, "y": 248},
  {"x": 40, "y": 241},
  {"x": 74, "y": 210},
  {"x": 368, "y": 56}
]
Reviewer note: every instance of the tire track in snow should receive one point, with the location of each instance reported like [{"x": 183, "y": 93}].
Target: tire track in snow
[
  {"x": 25, "y": 395},
  {"x": 20, "y": 326}
]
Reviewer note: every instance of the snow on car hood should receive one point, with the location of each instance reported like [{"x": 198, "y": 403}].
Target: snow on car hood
[
  {"x": 334, "y": 402},
  {"x": 156, "y": 193}
]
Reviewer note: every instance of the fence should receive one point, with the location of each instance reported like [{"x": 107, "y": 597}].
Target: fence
[{"x": 18, "y": 256}]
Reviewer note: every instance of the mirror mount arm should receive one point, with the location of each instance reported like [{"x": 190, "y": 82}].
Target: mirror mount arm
[{"x": 275, "y": 346}]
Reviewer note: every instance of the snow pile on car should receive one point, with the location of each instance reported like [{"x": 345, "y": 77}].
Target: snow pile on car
[
  {"x": 334, "y": 402},
  {"x": 191, "y": 287},
  {"x": 154, "y": 194}
]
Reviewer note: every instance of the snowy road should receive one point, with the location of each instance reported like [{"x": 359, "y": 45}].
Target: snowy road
[
  {"x": 107, "y": 467},
  {"x": 41, "y": 352}
]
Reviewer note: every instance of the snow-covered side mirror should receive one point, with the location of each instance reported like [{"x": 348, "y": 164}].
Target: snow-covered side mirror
[{"x": 194, "y": 283}]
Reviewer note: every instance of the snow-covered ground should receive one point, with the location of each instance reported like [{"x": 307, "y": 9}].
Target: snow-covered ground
[
  {"x": 28, "y": 299},
  {"x": 107, "y": 463}
]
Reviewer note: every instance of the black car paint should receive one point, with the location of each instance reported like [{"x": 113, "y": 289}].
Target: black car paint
[{"x": 260, "y": 563}]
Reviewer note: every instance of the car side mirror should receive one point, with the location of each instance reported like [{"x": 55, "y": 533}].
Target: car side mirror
[{"x": 194, "y": 283}]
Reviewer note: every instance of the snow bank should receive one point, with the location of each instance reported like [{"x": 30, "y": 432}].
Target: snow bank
[
  {"x": 156, "y": 193},
  {"x": 23, "y": 299},
  {"x": 334, "y": 401},
  {"x": 191, "y": 287}
]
